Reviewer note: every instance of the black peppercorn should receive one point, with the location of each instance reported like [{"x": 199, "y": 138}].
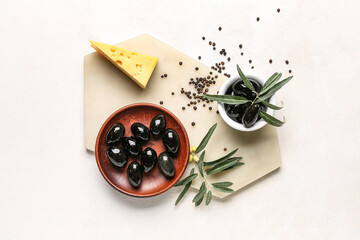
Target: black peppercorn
[
  {"x": 180, "y": 63},
  {"x": 193, "y": 124},
  {"x": 161, "y": 102}
]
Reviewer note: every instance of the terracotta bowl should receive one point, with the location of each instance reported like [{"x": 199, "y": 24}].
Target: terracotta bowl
[{"x": 153, "y": 182}]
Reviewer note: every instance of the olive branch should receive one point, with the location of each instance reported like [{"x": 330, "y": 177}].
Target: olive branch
[{"x": 205, "y": 169}]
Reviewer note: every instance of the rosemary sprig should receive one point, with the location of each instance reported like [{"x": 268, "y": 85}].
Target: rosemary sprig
[{"x": 205, "y": 169}]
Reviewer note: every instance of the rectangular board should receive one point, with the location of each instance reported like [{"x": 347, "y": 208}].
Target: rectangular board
[{"x": 108, "y": 89}]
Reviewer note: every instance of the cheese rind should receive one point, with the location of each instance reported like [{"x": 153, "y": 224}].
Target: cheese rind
[{"x": 137, "y": 66}]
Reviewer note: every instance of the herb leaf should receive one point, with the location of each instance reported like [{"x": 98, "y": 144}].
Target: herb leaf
[
  {"x": 270, "y": 119},
  {"x": 269, "y": 105},
  {"x": 223, "y": 189},
  {"x": 275, "y": 88},
  {"x": 234, "y": 166},
  {"x": 186, "y": 188},
  {"x": 245, "y": 80},
  {"x": 200, "y": 195},
  {"x": 206, "y": 139},
  {"x": 228, "y": 99},
  {"x": 222, "y": 166},
  {"x": 270, "y": 82},
  {"x": 222, "y": 184},
  {"x": 200, "y": 163},
  {"x": 186, "y": 180},
  {"x": 208, "y": 197},
  {"x": 212, "y": 163}
]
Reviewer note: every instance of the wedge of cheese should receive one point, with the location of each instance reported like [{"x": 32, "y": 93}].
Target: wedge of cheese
[{"x": 137, "y": 66}]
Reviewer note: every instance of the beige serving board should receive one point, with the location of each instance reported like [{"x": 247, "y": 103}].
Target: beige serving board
[{"x": 108, "y": 89}]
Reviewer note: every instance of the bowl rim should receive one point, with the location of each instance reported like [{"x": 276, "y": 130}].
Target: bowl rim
[
  {"x": 235, "y": 125},
  {"x": 142, "y": 104}
]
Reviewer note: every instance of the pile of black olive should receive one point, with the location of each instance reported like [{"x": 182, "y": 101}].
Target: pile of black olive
[
  {"x": 245, "y": 114},
  {"x": 132, "y": 147}
]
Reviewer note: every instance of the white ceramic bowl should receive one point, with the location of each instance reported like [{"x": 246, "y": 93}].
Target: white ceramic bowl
[{"x": 238, "y": 126}]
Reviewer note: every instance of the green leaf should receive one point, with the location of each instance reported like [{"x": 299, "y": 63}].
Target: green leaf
[
  {"x": 245, "y": 80},
  {"x": 228, "y": 99},
  {"x": 234, "y": 166},
  {"x": 200, "y": 163},
  {"x": 206, "y": 139},
  {"x": 186, "y": 188},
  {"x": 270, "y": 82},
  {"x": 200, "y": 195},
  {"x": 212, "y": 163},
  {"x": 271, "y": 120},
  {"x": 186, "y": 180},
  {"x": 208, "y": 197},
  {"x": 183, "y": 192},
  {"x": 223, "y": 165},
  {"x": 269, "y": 105},
  {"x": 223, "y": 189},
  {"x": 222, "y": 184},
  {"x": 275, "y": 88}
]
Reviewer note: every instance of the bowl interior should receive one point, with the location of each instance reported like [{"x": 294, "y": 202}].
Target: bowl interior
[
  {"x": 238, "y": 126},
  {"x": 153, "y": 182}
]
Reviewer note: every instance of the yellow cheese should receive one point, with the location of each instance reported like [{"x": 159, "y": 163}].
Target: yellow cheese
[{"x": 137, "y": 66}]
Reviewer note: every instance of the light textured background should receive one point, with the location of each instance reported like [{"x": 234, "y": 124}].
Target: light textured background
[{"x": 51, "y": 187}]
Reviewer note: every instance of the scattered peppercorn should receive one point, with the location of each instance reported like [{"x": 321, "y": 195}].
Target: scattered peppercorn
[
  {"x": 196, "y": 68},
  {"x": 217, "y": 111},
  {"x": 220, "y": 28},
  {"x": 257, "y": 19},
  {"x": 188, "y": 104},
  {"x": 270, "y": 61},
  {"x": 180, "y": 63},
  {"x": 287, "y": 61},
  {"x": 214, "y": 48},
  {"x": 242, "y": 53},
  {"x": 195, "y": 108},
  {"x": 203, "y": 38},
  {"x": 210, "y": 108},
  {"x": 289, "y": 71},
  {"x": 210, "y": 42},
  {"x": 199, "y": 57},
  {"x": 252, "y": 67},
  {"x": 193, "y": 124},
  {"x": 165, "y": 75},
  {"x": 161, "y": 102},
  {"x": 172, "y": 93},
  {"x": 225, "y": 149},
  {"x": 228, "y": 59},
  {"x": 250, "y": 61},
  {"x": 278, "y": 10},
  {"x": 240, "y": 46},
  {"x": 162, "y": 76}
]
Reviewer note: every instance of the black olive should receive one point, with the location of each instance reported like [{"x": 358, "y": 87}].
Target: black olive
[
  {"x": 240, "y": 89},
  {"x": 158, "y": 125},
  {"x": 250, "y": 115},
  {"x": 263, "y": 108},
  {"x": 131, "y": 146},
  {"x": 232, "y": 110},
  {"x": 134, "y": 172},
  {"x": 115, "y": 133},
  {"x": 148, "y": 159},
  {"x": 241, "y": 110},
  {"x": 171, "y": 141},
  {"x": 166, "y": 165},
  {"x": 117, "y": 156},
  {"x": 140, "y": 131}
]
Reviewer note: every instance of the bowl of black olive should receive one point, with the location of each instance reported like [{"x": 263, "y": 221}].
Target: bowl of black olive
[
  {"x": 142, "y": 149},
  {"x": 244, "y": 117}
]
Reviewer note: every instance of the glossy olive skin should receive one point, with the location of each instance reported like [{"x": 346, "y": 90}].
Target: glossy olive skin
[
  {"x": 140, "y": 131},
  {"x": 251, "y": 115},
  {"x": 240, "y": 89},
  {"x": 134, "y": 173},
  {"x": 158, "y": 125},
  {"x": 117, "y": 156},
  {"x": 166, "y": 165},
  {"x": 233, "y": 110},
  {"x": 115, "y": 134},
  {"x": 131, "y": 146},
  {"x": 148, "y": 159},
  {"x": 171, "y": 141}
]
